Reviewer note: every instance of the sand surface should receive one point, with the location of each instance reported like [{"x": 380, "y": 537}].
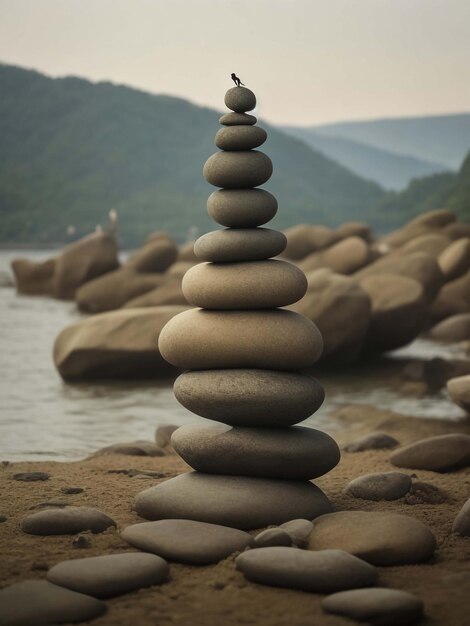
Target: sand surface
[{"x": 215, "y": 595}]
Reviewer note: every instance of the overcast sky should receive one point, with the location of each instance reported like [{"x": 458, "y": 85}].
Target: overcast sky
[{"x": 309, "y": 61}]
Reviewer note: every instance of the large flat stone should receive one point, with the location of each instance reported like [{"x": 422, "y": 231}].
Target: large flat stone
[
  {"x": 250, "y": 285},
  {"x": 238, "y": 170},
  {"x": 321, "y": 572},
  {"x": 39, "y": 603},
  {"x": 250, "y": 397},
  {"x": 187, "y": 541},
  {"x": 110, "y": 575},
  {"x": 381, "y": 606},
  {"x": 267, "y": 339},
  {"x": 242, "y": 208},
  {"x": 236, "y": 501},
  {"x": 287, "y": 453},
  {"x": 240, "y": 244},
  {"x": 377, "y": 537},
  {"x": 438, "y": 454}
]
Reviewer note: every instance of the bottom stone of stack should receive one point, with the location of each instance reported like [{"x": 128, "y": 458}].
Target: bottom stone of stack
[{"x": 236, "y": 501}]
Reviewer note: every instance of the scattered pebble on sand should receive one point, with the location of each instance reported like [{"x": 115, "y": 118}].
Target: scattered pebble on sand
[
  {"x": 29, "y": 477},
  {"x": 437, "y": 454},
  {"x": 66, "y": 521},
  {"x": 380, "y": 486},
  {"x": 372, "y": 441}
]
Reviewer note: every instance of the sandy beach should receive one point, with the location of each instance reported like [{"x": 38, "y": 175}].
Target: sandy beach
[{"x": 218, "y": 594}]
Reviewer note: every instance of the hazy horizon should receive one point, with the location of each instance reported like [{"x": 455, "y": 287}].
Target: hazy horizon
[{"x": 309, "y": 62}]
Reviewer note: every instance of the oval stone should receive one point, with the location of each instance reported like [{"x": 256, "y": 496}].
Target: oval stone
[
  {"x": 250, "y": 397},
  {"x": 240, "y": 244},
  {"x": 241, "y": 208},
  {"x": 293, "y": 453},
  {"x": 237, "y": 119},
  {"x": 250, "y": 285},
  {"x": 240, "y": 99},
  {"x": 436, "y": 454},
  {"x": 378, "y": 537},
  {"x": 111, "y": 574},
  {"x": 236, "y": 501},
  {"x": 67, "y": 521},
  {"x": 376, "y": 605},
  {"x": 320, "y": 572},
  {"x": 267, "y": 339},
  {"x": 238, "y": 170},
  {"x": 187, "y": 541},
  {"x": 380, "y": 486},
  {"x": 240, "y": 137}
]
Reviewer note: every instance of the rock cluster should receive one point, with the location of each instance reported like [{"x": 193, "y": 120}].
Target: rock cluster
[{"x": 243, "y": 353}]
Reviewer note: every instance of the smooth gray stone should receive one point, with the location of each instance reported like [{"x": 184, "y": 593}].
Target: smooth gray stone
[
  {"x": 163, "y": 434},
  {"x": 275, "y": 339},
  {"x": 321, "y": 572},
  {"x": 236, "y": 501},
  {"x": 242, "y": 208},
  {"x": 461, "y": 524},
  {"x": 110, "y": 575},
  {"x": 437, "y": 454},
  {"x": 68, "y": 521},
  {"x": 240, "y": 244},
  {"x": 379, "y": 537},
  {"x": 238, "y": 170},
  {"x": 299, "y": 531},
  {"x": 272, "y": 537},
  {"x": 237, "y": 119},
  {"x": 293, "y": 453},
  {"x": 240, "y": 137},
  {"x": 29, "y": 477},
  {"x": 187, "y": 541},
  {"x": 372, "y": 441},
  {"x": 38, "y": 603},
  {"x": 376, "y": 605},
  {"x": 250, "y": 397},
  {"x": 240, "y": 99},
  {"x": 380, "y": 486},
  {"x": 245, "y": 285}
]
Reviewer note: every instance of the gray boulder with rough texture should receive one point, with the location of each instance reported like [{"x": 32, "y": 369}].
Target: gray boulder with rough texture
[
  {"x": 323, "y": 571},
  {"x": 436, "y": 454}
]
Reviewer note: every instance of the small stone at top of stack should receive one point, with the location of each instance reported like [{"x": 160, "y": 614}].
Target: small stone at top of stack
[{"x": 242, "y": 355}]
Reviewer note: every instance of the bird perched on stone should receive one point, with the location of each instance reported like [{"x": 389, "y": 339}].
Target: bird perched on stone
[{"x": 236, "y": 80}]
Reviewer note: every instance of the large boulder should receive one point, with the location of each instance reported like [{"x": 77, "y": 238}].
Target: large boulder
[
  {"x": 344, "y": 257},
  {"x": 340, "y": 309},
  {"x": 419, "y": 266},
  {"x": 456, "y": 230},
  {"x": 398, "y": 311},
  {"x": 355, "y": 229},
  {"x": 114, "y": 289},
  {"x": 431, "y": 243},
  {"x": 33, "y": 278},
  {"x": 453, "y": 298},
  {"x": 83, "y": 260},
  {"x": 156, "y": 255},
  {"x": 170, "y": 292},
  {"x": 452, "y": 329},
  {"x": 116, "y": 344},
  {"x": 429, "y": 221},
  {"x": 304, "y": 239},
  {"x": 455, "y": 259}
]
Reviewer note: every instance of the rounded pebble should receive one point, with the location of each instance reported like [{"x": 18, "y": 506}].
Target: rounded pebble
[
  {"x": 380, "y": 486},
  {"x": 250, "y": 285},
  {"x": 238, "y": 170},
  {"x": 384, "y": 607},
  {"x": 187, "y": 541},
  {"x": 240, "y": 137},
  {"x": 250, "y": 397},
  {"x": 237, "y": 119},
  {"x": 299, "y": 531},
  {"x": 266, "y": 339},
  {"x": 372, "y": 441},
  {"x": 377, "y": 537},
  {"x": 236, "y": 501},
  {"x": 240, "y": 244},
  {"x": 66, "y": 521},
  {"x": 241, "y": 208},
  {"x": 293, "y": 453},
  {"x": 30, "y": 477},
  {"x": 272, "y": 537},
  {"x": 437, "y": 454},
  {"x": 240, "y": 99},
  {"x": 321, "y": 572},
  {"x": 110, "y": 575}
]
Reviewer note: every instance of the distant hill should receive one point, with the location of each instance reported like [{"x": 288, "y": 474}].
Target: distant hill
[
  {"x": 450, "y": 190},
  {"x": 389, "y": 169},
  {"x": 72, "y": 149},
  {"x": 439, "y": 138}
]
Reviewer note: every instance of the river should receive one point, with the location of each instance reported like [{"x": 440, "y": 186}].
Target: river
[{"x": 44, "y": 418}]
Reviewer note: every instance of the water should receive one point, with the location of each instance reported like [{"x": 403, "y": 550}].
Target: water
[{"x": 44, "y": 418}]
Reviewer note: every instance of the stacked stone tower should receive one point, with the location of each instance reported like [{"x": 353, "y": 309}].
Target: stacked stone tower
[{"x": 242, "y": 355}]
